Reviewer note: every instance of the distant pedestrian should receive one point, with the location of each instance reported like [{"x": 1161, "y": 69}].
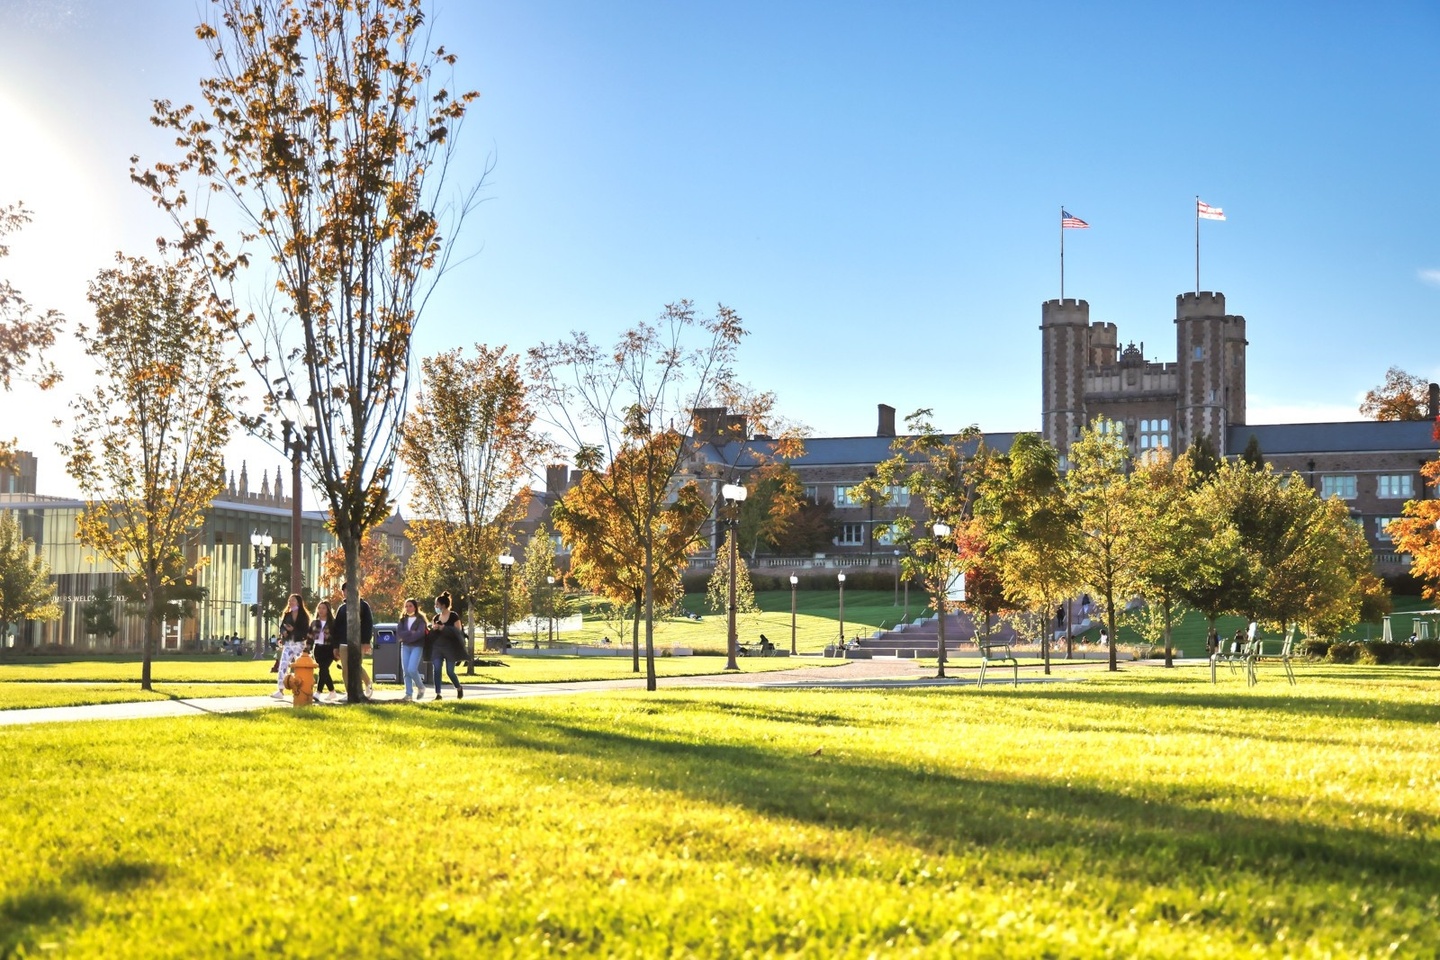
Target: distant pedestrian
[
  {"x": 291, "y": 643},
  {"x": 447, "y": 643},
  {"x": 411, "y": 632},
  {"x": 322, "y": 629}
]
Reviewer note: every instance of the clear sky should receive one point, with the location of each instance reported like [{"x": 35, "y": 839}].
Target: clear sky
[{"x": 874, "y": 187}]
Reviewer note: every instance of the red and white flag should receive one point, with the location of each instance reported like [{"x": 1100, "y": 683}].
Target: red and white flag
[{"x": 1204, "y": 211}]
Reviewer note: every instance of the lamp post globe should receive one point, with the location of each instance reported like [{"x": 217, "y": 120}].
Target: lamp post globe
[
  {"x": 507, "y": 562},
  {"x": 794, "y": 582}
]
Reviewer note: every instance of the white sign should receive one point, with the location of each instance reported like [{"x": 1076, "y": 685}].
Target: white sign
[
  {"x": 955, "y": 590},
  {"x": 249, "y": 586}
]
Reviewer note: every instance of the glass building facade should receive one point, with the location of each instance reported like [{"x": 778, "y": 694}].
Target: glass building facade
[{"x": 223, "y": 543}]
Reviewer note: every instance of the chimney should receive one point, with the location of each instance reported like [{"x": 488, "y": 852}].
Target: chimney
[
  {"x": 887, "y": 421},
  {"x": 555, "y": 476},
  {"x": 1434, "y": 400}
]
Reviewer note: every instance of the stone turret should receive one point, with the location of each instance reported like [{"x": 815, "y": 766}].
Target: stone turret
[{"x": 1210, "y": 352}]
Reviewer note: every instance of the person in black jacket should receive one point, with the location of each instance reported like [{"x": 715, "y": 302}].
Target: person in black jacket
[
  {"x": 447, "y": 643},
  {"x": 342, "y": 637}
]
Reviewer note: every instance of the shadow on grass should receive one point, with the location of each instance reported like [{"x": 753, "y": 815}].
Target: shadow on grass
[
  {"x": 1279, "y": 699},
  {"x": 30, "y": 914},
  {"x": 1027, "y": 827}
]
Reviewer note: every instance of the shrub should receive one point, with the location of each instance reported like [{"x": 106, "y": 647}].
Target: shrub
[
  {"x": 1344, "y": 652},
  {"x": 1379, "y": 651},
  {"x": 1425, "y": 653},
  {"x": 1314, "y": 649}
]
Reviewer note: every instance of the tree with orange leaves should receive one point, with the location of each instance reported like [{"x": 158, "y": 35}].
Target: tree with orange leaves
[{"x": 1417, "y": 531}]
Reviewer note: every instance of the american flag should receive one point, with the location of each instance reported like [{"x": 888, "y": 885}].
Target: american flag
[
  {"x": 1072, "y": 222},
  {"x": 1204, "y": 211}
]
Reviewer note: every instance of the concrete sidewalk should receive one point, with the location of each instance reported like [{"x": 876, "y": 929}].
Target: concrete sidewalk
[{"x": 856, "y": 674}]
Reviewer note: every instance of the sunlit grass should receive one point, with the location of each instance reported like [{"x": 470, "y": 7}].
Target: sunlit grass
[
  {"x": 1140, "y": 814},
  {"x": 57, "y": 683}
]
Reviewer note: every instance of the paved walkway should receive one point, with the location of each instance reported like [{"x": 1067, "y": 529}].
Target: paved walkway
[{"x": 856, "y": 674}]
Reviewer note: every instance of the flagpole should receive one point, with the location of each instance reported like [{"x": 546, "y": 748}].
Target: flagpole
[
  {"x": 1062, "y": 254},
  {"x": 1197, "y": 245}
]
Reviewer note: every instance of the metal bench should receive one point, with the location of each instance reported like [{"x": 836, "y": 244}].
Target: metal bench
[
  {"x": 996, "y": 651},
  {"x": 1252, "y": 652}
]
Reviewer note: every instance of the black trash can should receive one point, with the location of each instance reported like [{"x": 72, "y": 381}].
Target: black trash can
[{"x": 385, "y": 655}]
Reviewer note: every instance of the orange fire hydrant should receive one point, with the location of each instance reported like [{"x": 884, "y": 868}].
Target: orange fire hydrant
[{"x": 300, "y": 681}]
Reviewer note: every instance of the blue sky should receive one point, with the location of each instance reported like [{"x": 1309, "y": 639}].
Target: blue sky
[{"x": 875, "y": 188}]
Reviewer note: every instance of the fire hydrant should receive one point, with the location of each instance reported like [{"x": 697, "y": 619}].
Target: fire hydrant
[{"x": 300, "y": 681}]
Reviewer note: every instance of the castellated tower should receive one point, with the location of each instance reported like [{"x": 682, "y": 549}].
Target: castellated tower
[
  {"x": 1210, "y": 350},
  {"x": 1064, "y": 350}
]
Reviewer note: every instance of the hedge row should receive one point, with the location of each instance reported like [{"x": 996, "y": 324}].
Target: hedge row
[
  {"x": 698, "y": 581},
  {"x": 1422, "y": 653}
]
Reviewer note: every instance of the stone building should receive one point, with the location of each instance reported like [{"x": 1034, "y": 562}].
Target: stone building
[{"x": 1086, "y": 374}]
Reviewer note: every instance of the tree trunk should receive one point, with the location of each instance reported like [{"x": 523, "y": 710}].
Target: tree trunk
[
  {"x": 148, "y": 642},
  {"x": 649, "y": 618},
  {"x": 1110, "y": 622},
  {"x": 354, "y": 657},
  {"x": 635, "y": 630},
  {"x": 1169, "y": 655},
  {"x": 1045, "y": 637}
]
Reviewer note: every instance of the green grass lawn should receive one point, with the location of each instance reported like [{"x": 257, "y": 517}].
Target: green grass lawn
[
  {"x": 62, "y": 683},
  {"x": 1139, "y": 814}
]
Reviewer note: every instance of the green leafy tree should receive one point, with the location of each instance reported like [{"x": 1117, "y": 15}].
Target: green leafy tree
[
  {"x": 1031, "y": 523},
  {"x": 1107, "y": 550},
  {"x": 1181, "y": 550},
  {"x": 470, "y": 444},
  {"x": 148, "y": 438},
  {"x": 330, "y": 126},
  {"x": 1251, "y": 456},
  {"x": 1204, "y": 459},
  {"x": 812, "y": 528},
  {"x": 534, "y": 582},
  {"x": 98, "y": 615},
  {"x": 941, "y": 472},
  {"x": 620, "y": 405},
  {"x": 26, "y": 592},
  {"x": 1309, "y": 560},
  {"x": 277, "y": 587},
  {"x": 717, "y": 591}
]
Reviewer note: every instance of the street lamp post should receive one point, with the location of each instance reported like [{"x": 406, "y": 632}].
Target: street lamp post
[
  {"x": 940, "y": 530},
  {"x": 734, "y": 495},
  {"x": 841, "y": 579},
  {"x": 297, "y": 448},
  {"x": 506, "y": 563},
  {"x": 550, "y": 610},
  {"x": 794, "y": 582},
  {"x": 262, "y": 543}
]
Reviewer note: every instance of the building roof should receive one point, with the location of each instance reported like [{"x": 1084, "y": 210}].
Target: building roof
[
  {"x": 1356, "y": 436},
  {"x": 837, "y": 451}
]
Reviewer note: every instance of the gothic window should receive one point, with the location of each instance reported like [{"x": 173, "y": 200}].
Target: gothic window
[{"x": 1154, "y": 434}]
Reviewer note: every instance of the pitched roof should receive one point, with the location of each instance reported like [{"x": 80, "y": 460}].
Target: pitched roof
[
  {"x": 833, "y": 451},
  {"x": 1356, "y": 436}
]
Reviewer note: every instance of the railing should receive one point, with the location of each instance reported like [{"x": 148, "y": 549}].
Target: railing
[{"x": 843, "y": 562}]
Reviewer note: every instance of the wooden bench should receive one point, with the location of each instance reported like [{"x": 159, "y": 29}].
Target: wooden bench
[{"x": 996, "y": 651}]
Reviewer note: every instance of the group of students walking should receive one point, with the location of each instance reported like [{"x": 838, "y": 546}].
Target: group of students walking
[{"x": 440, "y": 640}]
